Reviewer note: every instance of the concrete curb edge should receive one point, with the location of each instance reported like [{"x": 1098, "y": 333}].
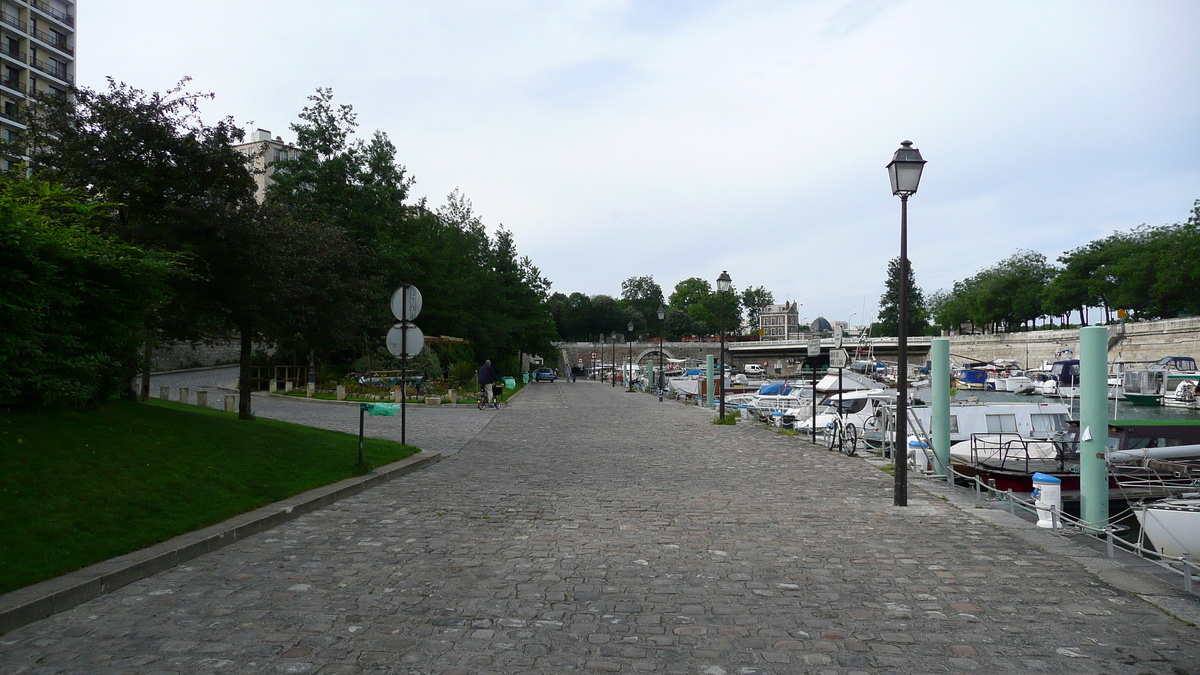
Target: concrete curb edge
[{"x": 36, "y": 602}]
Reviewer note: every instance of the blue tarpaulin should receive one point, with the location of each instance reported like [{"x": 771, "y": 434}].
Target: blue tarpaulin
[{"x": 775, "y": 389}]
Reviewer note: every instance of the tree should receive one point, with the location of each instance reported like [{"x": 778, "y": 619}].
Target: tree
[
  {"x": 643, "y": 296},
  {"x": 72, "y": 301},
  {"x": 889, "y": 303},
  {"x": 754, "y": 299}
]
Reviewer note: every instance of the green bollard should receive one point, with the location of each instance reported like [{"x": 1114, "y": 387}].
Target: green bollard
[
  {"x": 940, "y": 354},
  {"x": 1093, "y": 425},
  {"x": 709, "y": 380}
]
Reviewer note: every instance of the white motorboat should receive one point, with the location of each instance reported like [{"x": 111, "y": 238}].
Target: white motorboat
[{"x": 1171, "y": 525}]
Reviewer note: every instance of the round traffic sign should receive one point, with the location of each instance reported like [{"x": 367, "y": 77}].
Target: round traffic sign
[
  {"x": 405, "y": 337},
  {"x": 406, "y": 302}
]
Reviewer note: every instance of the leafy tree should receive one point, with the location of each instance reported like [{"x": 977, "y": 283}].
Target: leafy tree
[
  {"x": 889, "y": 303},
  {"x": 754, "y": 299},
  {"x": 72, "y": 301},
  {"x": 643, "y": 296}
]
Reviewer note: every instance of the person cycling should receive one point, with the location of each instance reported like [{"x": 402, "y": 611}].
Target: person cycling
[{"x": 487, "y": 377}]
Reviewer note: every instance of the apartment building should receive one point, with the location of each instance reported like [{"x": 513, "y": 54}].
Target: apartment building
[
  {"x": 263, "y": 151},
  {"x": 779, "y": 322},
  {"x": 37, "y": 54}
]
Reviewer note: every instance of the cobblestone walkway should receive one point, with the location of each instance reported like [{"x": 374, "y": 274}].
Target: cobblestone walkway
[{"x": 586, "y": 529}]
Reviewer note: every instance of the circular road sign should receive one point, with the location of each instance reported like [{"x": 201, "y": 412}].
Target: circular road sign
[
  {"x": 414, "y": 340},
  {"x": 406, "y": 305}
]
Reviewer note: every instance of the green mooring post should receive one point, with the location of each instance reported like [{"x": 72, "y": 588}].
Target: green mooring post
[
  {"x": 708, "y": 379},
  {"x": 940, "y": 354},
  {"x": 1093, "y": 425}
]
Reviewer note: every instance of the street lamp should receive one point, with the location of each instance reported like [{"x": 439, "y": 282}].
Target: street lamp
[
  {"x": 614, "y": 368},
  {"x": 905, "y": 173},
  {"x": 723, "y": 285},
  {"x": 662, "y": 315},
  {"x": 600, "y": 370},
  {"x": 629, "y": 377}
]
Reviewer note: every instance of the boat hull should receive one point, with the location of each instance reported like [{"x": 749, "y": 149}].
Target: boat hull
[
  {"x": 1143, "y": 399},
  {"x": 1173, "y": 526}
]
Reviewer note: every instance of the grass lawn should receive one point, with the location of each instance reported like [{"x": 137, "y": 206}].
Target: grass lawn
[{"x": 79, "y": 487}]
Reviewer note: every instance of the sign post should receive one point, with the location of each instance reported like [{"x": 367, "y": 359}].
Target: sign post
[
  {"x": 405, "y": 340},
  {"x": 837, "y": 359}
]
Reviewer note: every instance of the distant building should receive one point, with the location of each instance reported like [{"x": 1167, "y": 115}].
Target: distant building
[
  {"x": 264, "y": 151},
  {"x": 37, "y": 55},
  {"x": 779, "y": 322}
]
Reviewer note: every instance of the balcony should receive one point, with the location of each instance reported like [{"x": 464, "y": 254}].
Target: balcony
[
  {"x": 54, "y": 13},
  {"x": 13, "y": 21},
  {"x": 12, "y": 117},
  {"x": 14, "y": 85},
  {"x": 13, "y": 53},
  {"x": 53, "y": 70},
  {"x": 57, "y": 42}
]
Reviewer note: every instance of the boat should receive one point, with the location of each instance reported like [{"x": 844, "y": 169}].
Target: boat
[
  {"x": 1063, "y": 380},
  {"x": 1171, "y": 525},
  {"x": 1159, "y": 384}
]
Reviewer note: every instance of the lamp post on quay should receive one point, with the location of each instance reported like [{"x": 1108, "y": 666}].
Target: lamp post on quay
[
  {"x": 723, "y": 285},
  {"x": 905, "y": 173},
  {"x": 600, "y": 370},
  {"x": 663, "y": 316},
  {"x": 629, "y": 377},
  {"x": 614, "y": 368}
]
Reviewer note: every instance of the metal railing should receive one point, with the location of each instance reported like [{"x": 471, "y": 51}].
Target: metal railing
[
  {"x": 13, "y": 21},
  {"x": 13, "y": 53},
  {"x": 1064, "y": 523},
  {"x": 53, "y": 12},
  {"x": 54, "y": 40},
  {"x": 50, "y": 69},
  {"x": 14, "y": 85}
]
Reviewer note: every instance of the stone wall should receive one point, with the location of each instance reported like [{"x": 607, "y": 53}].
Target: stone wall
[
  {"x": 199, "y": 354},
  {"x": 572, "y": 351},
  {"x": 1133, "y": 343}
]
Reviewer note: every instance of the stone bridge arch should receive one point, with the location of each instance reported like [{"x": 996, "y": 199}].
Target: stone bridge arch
[{"x": 653, "y": 350}]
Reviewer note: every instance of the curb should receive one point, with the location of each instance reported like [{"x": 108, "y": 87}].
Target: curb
[{"x": 32, "y": 603}]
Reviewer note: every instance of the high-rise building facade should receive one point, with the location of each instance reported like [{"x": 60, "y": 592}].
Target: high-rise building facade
[
  {"x": 37, "y": 54},
  {"x": 263, "y": 151}
]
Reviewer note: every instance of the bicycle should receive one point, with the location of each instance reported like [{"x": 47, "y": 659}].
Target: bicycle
[
  {"x": 497, "y": 394},
  {"x": 841, "y": 435}
]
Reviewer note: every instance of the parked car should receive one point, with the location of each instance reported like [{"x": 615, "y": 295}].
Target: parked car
[{"x": 544, "y": 375}]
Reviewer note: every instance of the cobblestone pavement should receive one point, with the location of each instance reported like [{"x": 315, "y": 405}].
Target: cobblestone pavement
[{"x": 591, "y": 530}]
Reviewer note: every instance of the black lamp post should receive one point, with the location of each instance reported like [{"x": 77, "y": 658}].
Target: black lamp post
[
  {"x": 905, "y": 173},
  {"x": 662, "y": 315},
  {"x": 600, "y": 370},
  {"x": 614, "y": 368},
  {"x": 629, "y": 375},
  {"x": 723, "y": 285}
]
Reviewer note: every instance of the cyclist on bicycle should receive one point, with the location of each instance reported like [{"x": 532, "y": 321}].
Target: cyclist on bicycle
[{"x": 487, "y": 377}]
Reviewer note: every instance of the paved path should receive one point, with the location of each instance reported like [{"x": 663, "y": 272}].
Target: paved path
[{"x": 592, "y": 530}]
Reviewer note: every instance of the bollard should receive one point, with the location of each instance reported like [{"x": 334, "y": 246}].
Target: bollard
[
  {"x": 341, "y": 392},
  {"x": 229, "y": 403},
  {"x": 287, "y": 385},
  {"x": 1108, "y": 531},
  {"x": 453, "y": 394},
  {"x": 273, "y": 385},
  {"x": 1012, "y": 509},
  {"x": 184, "y": 396},
  {"x": 978, "y": 483},
  {"x": 1187, "y": 573},
  {"x": 202, "y": 398},
  {"x": 1054, "y": 518},
  {"x": 310, "y": 390},
  {"x": 164, "y": 393},
  {"x": 992, "y": 489}
]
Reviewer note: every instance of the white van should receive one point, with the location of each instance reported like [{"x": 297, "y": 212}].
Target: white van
[{"x": 753, "y": 369}]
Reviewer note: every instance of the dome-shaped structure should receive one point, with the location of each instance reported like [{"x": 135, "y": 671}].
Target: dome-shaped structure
[{"x": 821, "y": 325}]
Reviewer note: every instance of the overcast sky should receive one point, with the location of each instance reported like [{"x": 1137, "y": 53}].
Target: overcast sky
[{"x": 680, "y": 139}]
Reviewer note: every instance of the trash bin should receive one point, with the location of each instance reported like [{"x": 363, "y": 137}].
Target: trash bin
[
  {"x": 510, "y": 383},
  {"x": 1047, "y": 492}
]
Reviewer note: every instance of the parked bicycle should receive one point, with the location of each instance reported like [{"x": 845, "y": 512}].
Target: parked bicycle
[{"x": 841, "y": 435}]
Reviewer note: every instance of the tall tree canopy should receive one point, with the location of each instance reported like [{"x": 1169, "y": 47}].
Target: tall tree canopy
[{"x": 889, "y": 303}]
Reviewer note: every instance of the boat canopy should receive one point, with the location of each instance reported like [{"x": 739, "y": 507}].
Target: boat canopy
[
  {"x": 1185, "y": 363},
  {"x": 775, "y": 389}
]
